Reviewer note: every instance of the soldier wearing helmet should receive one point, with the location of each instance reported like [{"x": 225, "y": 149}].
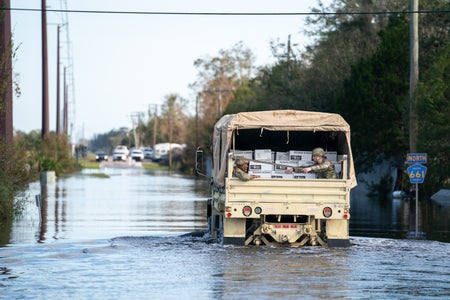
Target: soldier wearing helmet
[
  {"x": 241, "y": 169},
  {"x": 323, "y": 167}
]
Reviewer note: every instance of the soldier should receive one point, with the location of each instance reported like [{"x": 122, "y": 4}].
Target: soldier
[
  {"x": 241, "y": 169},
  {"x": 323, "y": 167}
]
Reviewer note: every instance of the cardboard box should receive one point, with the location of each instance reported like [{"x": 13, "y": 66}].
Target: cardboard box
[
  {"x": 304, "y": 176},
  {"x": 263, "y": 154},
  {"x": 261, "y": 174},
  {"x": 305, "y": 163},
  {"x": 259, "y": 167},
  {"x": 244, "y": 153},
  {"x": 279, "y": 175},
  {"x": 283, "y": 164},
  {"x": 282, "y": 156},
  {"x": 331, "y": 155},
  {"x": 300, "y": 155},
  {"x": 338, "y": 167}
]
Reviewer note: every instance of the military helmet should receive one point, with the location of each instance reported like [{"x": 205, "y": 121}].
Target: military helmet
[
  {"x": 240, "y": 160},
  {"x": 318, "y": 152}
]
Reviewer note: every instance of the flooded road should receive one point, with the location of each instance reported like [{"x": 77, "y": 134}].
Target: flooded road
[{"x": 127, "y": 237}]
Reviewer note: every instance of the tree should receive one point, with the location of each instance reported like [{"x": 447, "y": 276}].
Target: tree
[
  {"x": 341, "y": 40},
  {"x": 219, "y": 77},
  {"x": 173, "y": 120},
  {"x": 433, "y": 98},
  {"x": 374, "y": 98}
]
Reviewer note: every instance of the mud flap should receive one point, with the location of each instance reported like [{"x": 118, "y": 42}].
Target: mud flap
[
  {"x": 337, "y": 233},
  {"x": 234, "y": 231},
  {"x": 338, "y": 243},
  {"x": 237, "y": 241}
]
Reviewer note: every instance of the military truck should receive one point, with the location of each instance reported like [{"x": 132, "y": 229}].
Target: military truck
[{"x": 279, "y": 207}]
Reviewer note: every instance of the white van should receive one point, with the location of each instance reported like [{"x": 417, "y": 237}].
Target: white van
[{"x": 160, "y": 151}]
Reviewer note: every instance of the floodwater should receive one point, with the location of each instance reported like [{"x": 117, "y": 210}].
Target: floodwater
[{"x": 128, "y": 237}]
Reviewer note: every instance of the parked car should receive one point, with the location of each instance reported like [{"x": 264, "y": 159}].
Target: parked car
[
  {"x": 120, "y": 153},
  {"x": 101, "y": 156},
  {"x": 148, "y": 152},
  {"x": 137, "y": 155},
  {"x": 161, "y": 151}
]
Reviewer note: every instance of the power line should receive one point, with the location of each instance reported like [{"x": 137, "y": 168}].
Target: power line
[{"x": 227, "y": 13}]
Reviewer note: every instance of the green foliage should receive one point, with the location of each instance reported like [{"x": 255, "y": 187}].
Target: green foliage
[
  {"x": 245, "y": 99},
  {"x": 15, "y": 174},
  {"x": 23, "y": 161},
  {"x": 55, "y": 155},
  {"x": 99, "y": 175},
  {"x": 433, "y": 98},
  {"x": 47, "y": 164},
  {"x": 375, "y": 97},
  {"x": 86, "y": 164},
  {"x": 108, "y": 141}
]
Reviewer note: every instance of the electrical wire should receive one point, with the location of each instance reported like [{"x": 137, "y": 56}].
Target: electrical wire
[{"x": 227, "y": 13}]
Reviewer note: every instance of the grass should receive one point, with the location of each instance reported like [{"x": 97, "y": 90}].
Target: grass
[
  {"x": 153, "y": 166},
  {"x": 85, "y": 164},
  {"x": 99, "y": 175}
]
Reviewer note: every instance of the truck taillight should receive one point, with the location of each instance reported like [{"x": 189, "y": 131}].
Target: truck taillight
[
  {"x": 247, "y": 211},
  {"x": 327, "y": 212},
  {"x": 346, "y": 213}
]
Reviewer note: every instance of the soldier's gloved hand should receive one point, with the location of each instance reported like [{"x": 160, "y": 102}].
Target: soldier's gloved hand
[{"x": 289, "y": 170}]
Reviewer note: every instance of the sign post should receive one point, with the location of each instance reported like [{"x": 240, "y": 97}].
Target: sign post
[{"x": 416, "y": 174}]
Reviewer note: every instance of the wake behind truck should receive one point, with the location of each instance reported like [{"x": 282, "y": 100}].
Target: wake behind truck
[{"x": 280, "y": 207}]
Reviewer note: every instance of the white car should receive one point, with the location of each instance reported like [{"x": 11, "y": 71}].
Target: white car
[
  {"x": 120, "y": 153},
  {"x": 148, "y": 152},
  {"x": 137, "y": 155}
]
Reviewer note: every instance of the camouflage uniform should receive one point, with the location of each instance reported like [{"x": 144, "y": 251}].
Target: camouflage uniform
[{"x": 324, "y": 170}]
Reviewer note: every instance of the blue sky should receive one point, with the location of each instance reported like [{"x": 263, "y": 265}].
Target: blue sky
[{"x": 124, "y": 63}]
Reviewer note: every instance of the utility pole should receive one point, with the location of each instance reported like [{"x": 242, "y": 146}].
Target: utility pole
[
  {"x": 6, "y": 113},
  {"x": 66, "y": 108},
  {"x": 135, "y": 122},
  {"x": 154, "y": 125},
  {"x": 58, "y": 122},
  {"x": 45, "y": 127},
  {"x": 196, "y": 120},
  {"x": 414, "y": 74}
]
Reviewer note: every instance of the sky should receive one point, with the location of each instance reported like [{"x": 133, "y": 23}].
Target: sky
[{"x": 122, "y": 64}]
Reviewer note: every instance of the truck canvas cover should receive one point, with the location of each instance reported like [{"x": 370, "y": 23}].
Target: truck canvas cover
[{"x": 275, "y": 120}]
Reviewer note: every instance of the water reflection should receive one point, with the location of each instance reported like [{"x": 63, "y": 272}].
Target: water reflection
[
  {"x": 123, "y": 237},
  {"x": 128, "y": 202},
  {"x": 396, "y": 218},
  {"x": 291, "y": 272},
  {"x": 132, "y": 201},
  {"x": 43, "y": 214}
]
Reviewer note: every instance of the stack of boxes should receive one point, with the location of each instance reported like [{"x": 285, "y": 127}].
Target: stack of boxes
[
  {"x": 277, "y": 162},
  {"x": 258, "y": 167}
]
